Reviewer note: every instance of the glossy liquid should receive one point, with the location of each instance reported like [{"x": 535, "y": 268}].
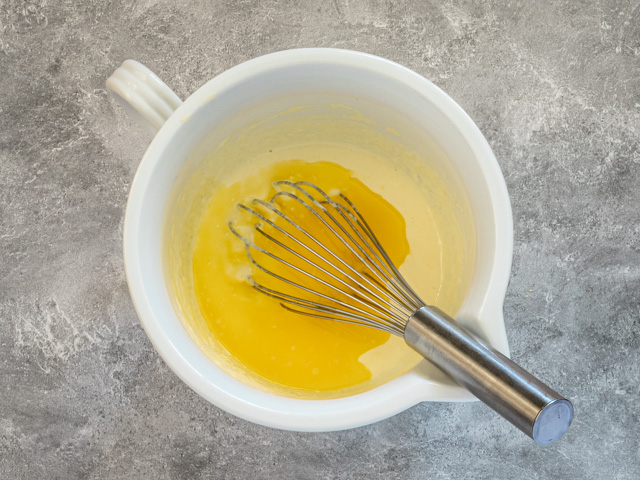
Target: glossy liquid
[{"x": 281, "y": 346}]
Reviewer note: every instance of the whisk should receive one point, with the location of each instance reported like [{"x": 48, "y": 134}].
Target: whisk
[{"x": 316, "y": 254}]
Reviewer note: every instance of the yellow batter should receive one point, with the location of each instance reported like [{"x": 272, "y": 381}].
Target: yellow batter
[
  {"x": 250, "y": 335},
  {"x": 279, "y": 345}
]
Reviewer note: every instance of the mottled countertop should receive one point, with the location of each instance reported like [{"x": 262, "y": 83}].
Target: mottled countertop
[{"x": 555, "y": 88}]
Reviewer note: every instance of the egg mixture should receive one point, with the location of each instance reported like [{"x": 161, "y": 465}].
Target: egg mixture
[{"x": 250, "y": 335}]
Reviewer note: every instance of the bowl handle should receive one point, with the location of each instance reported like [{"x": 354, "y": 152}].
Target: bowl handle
[{"x": 145, "y": 97}]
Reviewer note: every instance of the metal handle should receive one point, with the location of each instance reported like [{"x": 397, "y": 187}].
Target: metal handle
[{"x": 518, "y": 396}]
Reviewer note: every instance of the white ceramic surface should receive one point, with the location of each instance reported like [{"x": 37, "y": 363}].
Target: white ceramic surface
[{"x": 183, "y": 126}]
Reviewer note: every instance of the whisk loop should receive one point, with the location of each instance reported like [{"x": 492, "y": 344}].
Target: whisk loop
[
  {"x": 316, "y": 254},
  {"x": 375, "y": 294}
]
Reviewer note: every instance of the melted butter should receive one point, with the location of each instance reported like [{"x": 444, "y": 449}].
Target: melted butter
[
  {"x": 282, "y": 346},
  {"x": 413, "y": 210}
]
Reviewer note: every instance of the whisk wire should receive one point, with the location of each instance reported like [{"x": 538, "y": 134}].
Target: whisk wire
[
  {"x": 379, "y": 268},
  {"x": 380, "y": 315},
  {"x": 373, "y": 261},
  {"x": 382, "y": 288},
  {"x": 374, "y": 295},
  {"x": 406, "y": 288},
  {"x": 336, "y": 314}
]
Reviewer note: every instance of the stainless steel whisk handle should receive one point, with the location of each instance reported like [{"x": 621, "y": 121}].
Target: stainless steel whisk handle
[{"x": 518, "y": 396}]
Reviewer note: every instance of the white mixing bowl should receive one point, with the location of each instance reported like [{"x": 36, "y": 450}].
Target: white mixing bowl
[{"x": 279, "y": 78}]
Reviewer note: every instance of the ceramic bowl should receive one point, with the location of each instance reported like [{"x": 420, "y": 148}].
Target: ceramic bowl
[{"x": 280, "y": 78}]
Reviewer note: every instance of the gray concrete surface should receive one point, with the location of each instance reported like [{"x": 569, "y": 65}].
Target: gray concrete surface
[{"x": 555, "y": 87}]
